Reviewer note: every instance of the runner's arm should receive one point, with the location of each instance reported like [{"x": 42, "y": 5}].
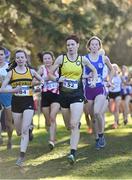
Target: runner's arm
[{"x": 86, "y": 62}]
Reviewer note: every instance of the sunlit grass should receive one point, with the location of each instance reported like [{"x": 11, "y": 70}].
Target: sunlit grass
[{"x": 112, "y": 162}]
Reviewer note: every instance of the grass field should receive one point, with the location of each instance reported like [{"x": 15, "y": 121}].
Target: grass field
[{"x": 112, "y": 162}]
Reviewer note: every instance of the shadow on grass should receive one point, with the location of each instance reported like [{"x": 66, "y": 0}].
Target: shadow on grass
[
  {"x": 107, "y": 162},
  {"x": 114, "y": 161}
]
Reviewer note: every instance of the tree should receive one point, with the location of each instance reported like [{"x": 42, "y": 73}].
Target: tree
[{"x": 43, "y": 25}]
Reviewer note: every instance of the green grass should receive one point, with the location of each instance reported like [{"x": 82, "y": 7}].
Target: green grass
[{"x": 112, "y": 162}]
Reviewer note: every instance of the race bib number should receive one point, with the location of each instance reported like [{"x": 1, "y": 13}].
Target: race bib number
[
  {"x": 25, "y": 91},
  {"x": 70, "y": 83},
  {"x": 90, "y": 80},
  {"x": 51, "y": 85}
]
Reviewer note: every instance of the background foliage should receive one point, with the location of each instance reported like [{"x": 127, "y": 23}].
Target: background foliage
[{"x": 37, "y": 25}]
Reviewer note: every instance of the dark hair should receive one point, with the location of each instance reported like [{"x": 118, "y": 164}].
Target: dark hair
[
  {"x": 2, "y": 49},
  {"x": 73, "y": 37},
  {"x": 12, "y": 65},
  {"x": 20, "y": 50},
  {"x": 41, "y": 54}
]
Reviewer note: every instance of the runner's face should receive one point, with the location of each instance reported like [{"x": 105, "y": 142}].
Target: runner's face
[
  {"x": 72, "y": 46},
  {"x": 124, "y": 69},
  {"x": 47, "y": 60},
  {"x": 2, "y": 56},
  {"x": 116, "y": 71},
  {"x": 21, "y": 59},
  {"x": 94, "y": 46}
]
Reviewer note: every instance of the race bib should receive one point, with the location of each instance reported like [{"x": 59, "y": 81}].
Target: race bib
[
  {"x": 90, "y": 80},
  {"x": 70, "y": 83},
  {"x": 99, "y": 80},
  {"x": 25, "y": 91},
  {"x": 51, "y": 85}
]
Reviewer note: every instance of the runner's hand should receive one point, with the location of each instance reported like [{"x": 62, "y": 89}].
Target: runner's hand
[
  {"x": 93, "y": 83},
  {"x": 61, "y": 79},
  {"x": 17, "y": 89},
  {"x": 110, "y": 84}
]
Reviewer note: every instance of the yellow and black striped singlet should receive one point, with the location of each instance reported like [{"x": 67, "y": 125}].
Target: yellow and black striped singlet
[{"x": 24, "y": 80}]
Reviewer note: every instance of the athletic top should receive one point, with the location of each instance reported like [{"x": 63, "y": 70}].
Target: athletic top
[
  {"x": 126, "y": 89},
  {"x": 3, "y": 73},
  {"x": 116, "y": 80},
  {"x": 52, "y": 86},
  {"x": 72, "y": 72},
  {"x": 99, "y": 66},
  {"x": 24, "y": 80}
]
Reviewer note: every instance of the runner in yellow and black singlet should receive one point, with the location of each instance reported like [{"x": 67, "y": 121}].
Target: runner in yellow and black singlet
[
  {"x": 20, "y": 77},
  {"x": 23, "y": 99},
  {"x": 71, "y": 89}
]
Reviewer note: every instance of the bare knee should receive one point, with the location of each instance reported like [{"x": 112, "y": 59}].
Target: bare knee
[
  {"x": 25, "y": 131},
  {"x": 52, "y": 118},
  {"x": 9, "y": 127},
  {"x": 97, "y": 114},
  {"x": 75, "y": 125}
]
